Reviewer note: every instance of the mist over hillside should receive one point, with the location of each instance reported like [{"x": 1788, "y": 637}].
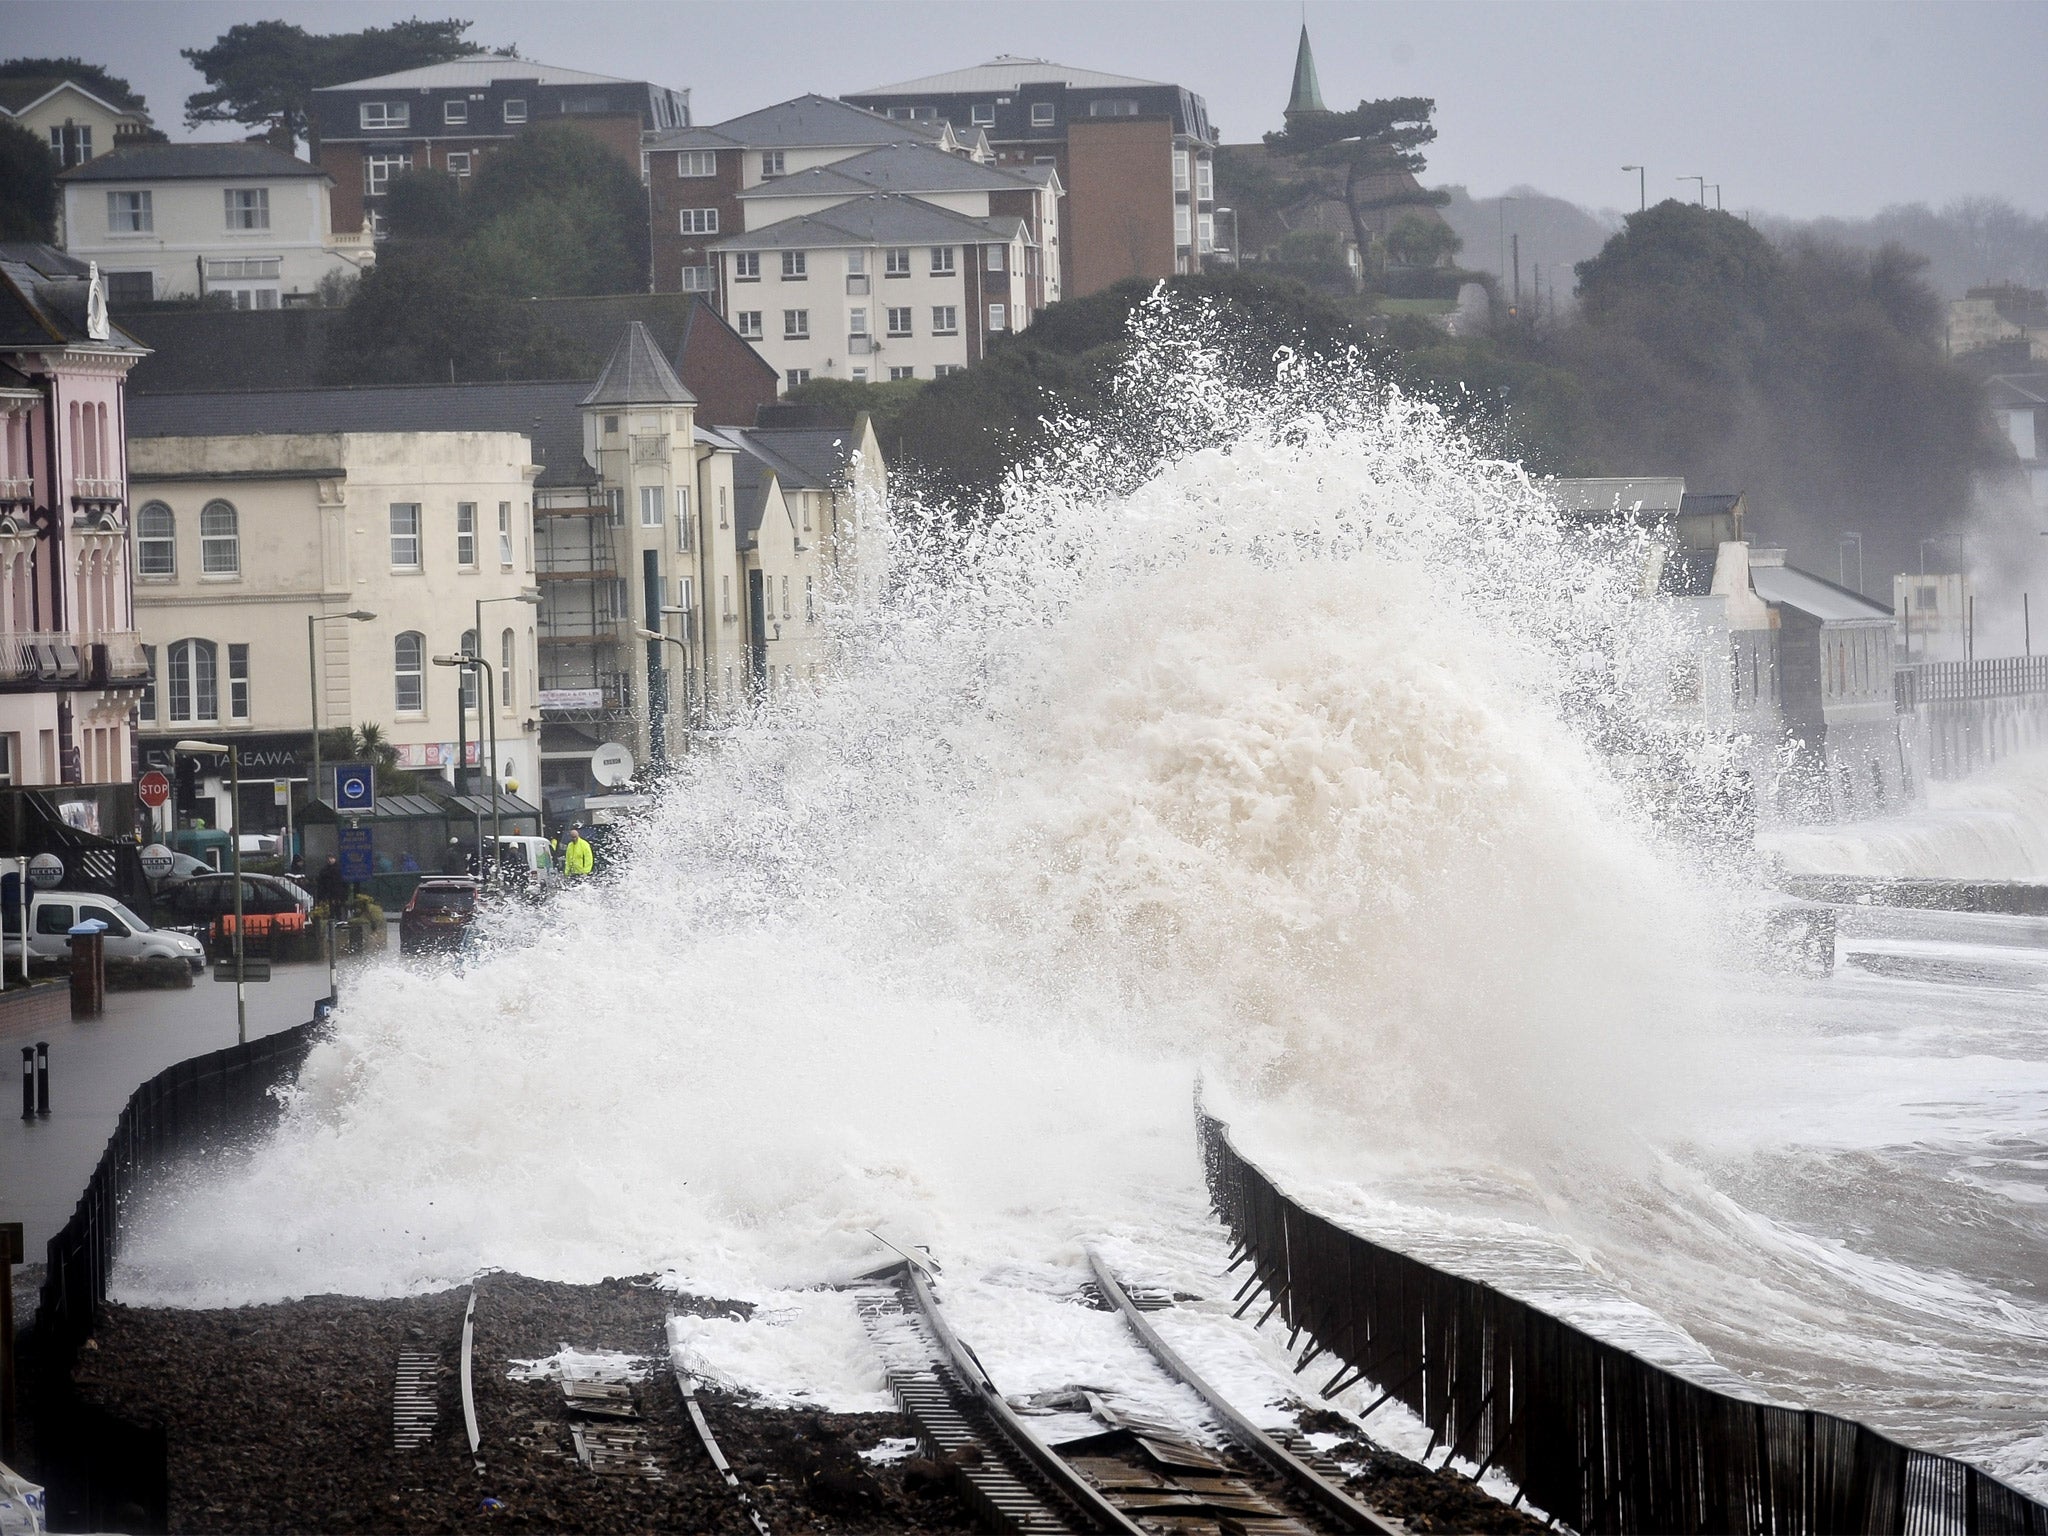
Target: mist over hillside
[
  {"x": 1968, "y": 243},
  {"x": 1555, "y": 234}
]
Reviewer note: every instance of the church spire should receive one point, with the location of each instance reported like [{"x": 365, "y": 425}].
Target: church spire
[{"x": 1307, "y": 95}]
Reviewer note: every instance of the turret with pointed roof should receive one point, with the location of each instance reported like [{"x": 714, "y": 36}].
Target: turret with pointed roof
[
  {"x": 638, "y": 375},
  {"x": 1307, "y": 95}
]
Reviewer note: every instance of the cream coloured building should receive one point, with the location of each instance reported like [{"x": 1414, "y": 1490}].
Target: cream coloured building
[
  {"x": 74, "y": 121},
  {"x": 242, "y": 538},
  {"x": 241, "y": 223}
]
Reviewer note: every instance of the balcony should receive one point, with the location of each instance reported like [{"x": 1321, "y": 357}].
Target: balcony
[
  {"x": 598, "y": 626},
  {"x": 84, "y": 488},
  {"x": 12, "y": 490},
  {"x": 571, "y": 501},
  {"x": 41, "y": 661}
]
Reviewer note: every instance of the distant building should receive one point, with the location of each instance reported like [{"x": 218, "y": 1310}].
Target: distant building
[
  {"x": 1135, "y": 157},
  {"x": 242, "y": 223},
  {"x": 72, "y": 119},
  {"x": 2004, "y": 317},
  {"x": 71, "y": 666},
  {"x": 452, "y": 116},
  {"x": 2019, "y": 404},
  {"x": 1934, "y": 615}
]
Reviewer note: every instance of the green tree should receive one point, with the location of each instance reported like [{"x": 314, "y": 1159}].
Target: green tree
[
  {"x": 110, "y": 88},
  {"x": 1422, "y": 242},
  {"x": 556, "y": 212},
  {"x": 1378, "y": 145},
  {"x": 28, "y": 185},
  {"x": 262, "y": 74},
  {"x": 424, "y": 321}
]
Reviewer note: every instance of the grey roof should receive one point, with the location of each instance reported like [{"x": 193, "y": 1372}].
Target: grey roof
[
  {"x": 192, "y": 162},
  {"x": 914, "y": 168},
  {"x": 547, "y": 413},
  {"x": 879, "y": 218},
  {"x": 479, "y": 69},
  {"x": 1003, "y": 73},
  {"x": 20, "y": 92},
  {"x": 1632, "y": 495},
  {"x": 638, "y": 374},
  {"x": 804, "y": 459},
  {"x": 1791, "y": 587},
  {"x": 43, "y": 302},
  {"x": 806, "y": 122},
  {"x": 2017, "y": 391}
]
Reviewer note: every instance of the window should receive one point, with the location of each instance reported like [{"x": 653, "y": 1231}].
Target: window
[
  {"x": 682, "y": 517},
  {"x": 860, "y": 375},
  {"x": 408, "y": 672},
  {"x": 248, "y": 207},
  {"x": 1041, "y": 114},
  {"x": 898, "y": 375},
  {"x": 385, "y": 114},
  {"x": 794, "y": 266},
  {"x": 1183, "y": 227},
  {"x": 996, "y": 257},
  {"x": 746, "y": 267},
  {"x": 615, "y": 507},
  {"x": 896, "y": 261},
  {"x": 944, "y": 370},
  {"x": 156, "y": 540},
  {"x": 650, "y": 506},
  {"x": 697, "y": 162},
  {"x": 725, "y": 599},
  {"x": 942, "y": 260},
  {"x": 1180, "y": 170},
  {"x": 785, "y": 597},
  {"x": 683, "y": 596},
  {"x": 130, "y": 287},
  {"x": 148, "y": 686},
  {"x": 505, "y": 534},
  {"x": 697, "y": 277},
  {"x": 1205, "y": 178},
  {"x": 699, "y": 221},
  {"x": 220, "y": 542},
  {"x": 1205, "y": 225},
  {"x": 721, "y": 507},
  {"x": 857, "y": 265},
  {"x": 455, "y": 111},
  {"x": 771, "y": 162},
  {"x": 130, "y": 213},
  {"x": 611, "y": 426},
  {"x": 1124, "y": 107},
  {"x": 945, "y": 320},
  {"x": 238, "y": 682},
  {"x": 856, "y": 322},
  {"x": 194, "y": 687},
  {"x": 465, "y": 534},
  {"x": 748, "y": 323},
  {"x": 469, "y": 675},
  {"x": 71, "y": 143},
  {"x": 506, "y": 670},
  {"x": 378, "y": 171},
  {"x": 996, "y": 317},
  {"x": 982, "y": 114},
  {"x": 515, "y": 110},
  {"x": 457, "y": 162},
  {"x": 899, "y": 321},
  {"x": 405, "y": 535},
  {"x": 796, "y": 325},
  {"x": 810, "y": 599},
  {"x": 795, "y": 377}
]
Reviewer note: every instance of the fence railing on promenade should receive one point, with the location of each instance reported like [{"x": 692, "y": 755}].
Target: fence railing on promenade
[
  {"x": 1593, "y": 1436},
  {"x": 1954, "y": 682}
]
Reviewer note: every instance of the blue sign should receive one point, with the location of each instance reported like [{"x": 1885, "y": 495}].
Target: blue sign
[
  {"x": 355, "y": 786},
  {"x": 357, "y": 860}
]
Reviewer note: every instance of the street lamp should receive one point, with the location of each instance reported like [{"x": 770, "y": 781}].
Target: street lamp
[
  {"x": 360, "y": 616},
  {"x": 491, "y": 707},
  {"x": 1501, "y": 208},
  {"x": 1642, "y": 191},
  {"x": 532, "y": 599},
  {"x": 695, "y": 688},
  {"x": 1717, "y": 194},
  {"x": 1842, "y": 559},
  {"x": 234, "y": 757},
  {"x": 1703, "y": 186}
]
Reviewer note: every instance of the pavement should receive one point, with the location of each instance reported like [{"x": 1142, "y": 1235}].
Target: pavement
[{"x": 95, "y": 1064}]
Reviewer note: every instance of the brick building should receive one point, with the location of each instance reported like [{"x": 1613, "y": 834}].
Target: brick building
[
  {"x": 1134, "y": 157},
  {"x": 449, "y": 116}
]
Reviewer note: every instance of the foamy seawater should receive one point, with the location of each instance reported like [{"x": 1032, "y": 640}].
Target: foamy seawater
[{"x": 1310, "y": 754}]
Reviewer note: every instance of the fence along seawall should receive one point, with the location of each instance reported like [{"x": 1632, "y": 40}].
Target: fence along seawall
[{"x": 1594, "y": 1437}]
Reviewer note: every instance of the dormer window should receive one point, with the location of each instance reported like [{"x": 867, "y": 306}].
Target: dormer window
[
  {"x": 384, "y": 114},
  {"x": 455, "y": 111},
  {"x": 515, "y": 110},
  {"x": 982, "y": 114},
  {"x": 1041, "y": 114},
  {"x": 771, "y": 162}
]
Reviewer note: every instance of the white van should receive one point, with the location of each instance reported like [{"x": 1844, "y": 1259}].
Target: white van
[
  {"x": 52, "y": 915},
  {"x": 531, "y": 854}
]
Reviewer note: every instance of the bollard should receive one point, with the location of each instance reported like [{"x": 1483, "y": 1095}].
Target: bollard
[
  {"x": 28, "y": 1082},
  {"x": 42, "y": 1077}
]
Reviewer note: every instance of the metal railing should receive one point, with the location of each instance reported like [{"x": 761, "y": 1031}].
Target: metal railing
[
  {"x": 1950, "y": 682},
  {"x": 1593, "y": 1436},
  {"x": 110, "y": 657}
]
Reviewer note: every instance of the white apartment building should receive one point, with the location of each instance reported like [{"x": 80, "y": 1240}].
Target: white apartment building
[
  {"x": 186, "y": 221},
  {"x": 242, "y": 538},
  {"x": 878, "y": 287}
]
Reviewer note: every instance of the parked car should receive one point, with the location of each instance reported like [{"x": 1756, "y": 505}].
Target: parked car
[
  {"x": 52, "y": 914},
  {"x": 183, "y": 867},
  {"x": 439, "y": 916},
  {"x": 205, "y": 904}
]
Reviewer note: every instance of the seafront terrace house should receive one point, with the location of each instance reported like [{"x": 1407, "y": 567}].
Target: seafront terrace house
[
  {"x": 241, "y": 224},
  {"x": 71, "y": 665}
]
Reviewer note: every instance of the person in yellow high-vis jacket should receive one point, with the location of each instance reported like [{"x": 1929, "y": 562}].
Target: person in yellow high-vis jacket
[{"x": 576, "y": 855}]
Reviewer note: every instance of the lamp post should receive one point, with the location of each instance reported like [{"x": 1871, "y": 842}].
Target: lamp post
[
  {"x": 1717, "y": 194},
  {"x": 1501, "y": 208},
  {"x": 689, "y": 692},
  {"x": 1642, "y": 190},
  {"x": 530, "y": 597},
  {"x": 491, "y": 709},
  {"x": 234, "y": 757},
  {"x": 1703, "y": 187},
  {"x": 1842, "y": 559},
  {"x": 361, "y": 616}
]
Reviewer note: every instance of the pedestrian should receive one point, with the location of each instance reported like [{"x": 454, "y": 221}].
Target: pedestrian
[
  {"x": 577, "y": 858},
  {"x": 457, "y": 862},
  {"x": 329, "y": 889}
]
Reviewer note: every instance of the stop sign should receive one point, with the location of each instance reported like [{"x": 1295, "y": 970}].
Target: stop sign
[{"x": 153, "y": 788}]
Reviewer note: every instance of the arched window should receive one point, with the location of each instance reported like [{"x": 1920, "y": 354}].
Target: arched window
[
  {"x": 469, "y": 674},
  {"x": 409, "y": 654},
  {"x": 220, "y": 540},
  {"x": 505, "y": 669},
  {"x": 194, "y": 682}
]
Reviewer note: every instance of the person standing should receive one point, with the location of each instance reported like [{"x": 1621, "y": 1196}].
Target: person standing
[{"x": 577, "y": 858}]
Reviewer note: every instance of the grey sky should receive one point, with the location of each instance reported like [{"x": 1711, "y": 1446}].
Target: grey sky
[{"x": 1800, "y": 109}]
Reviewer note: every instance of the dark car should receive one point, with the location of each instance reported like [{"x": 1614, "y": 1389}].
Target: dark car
[
  {"x": 205, "y": 904},
  {"x": 439, "y": 916}
]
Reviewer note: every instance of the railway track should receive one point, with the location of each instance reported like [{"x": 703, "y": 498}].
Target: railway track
[{"x": 1128, "y": 1473}]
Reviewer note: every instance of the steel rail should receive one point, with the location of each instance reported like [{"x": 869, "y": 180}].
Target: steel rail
[
  {"x": 1303, "y": 1479},
  {"x": 468, "y": 1381},
  {"x": 1086, "y": 1498},
  {"x": 688, "y": 1386}
]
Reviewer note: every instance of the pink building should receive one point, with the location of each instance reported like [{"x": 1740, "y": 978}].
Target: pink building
[{"x": 72, "y": 669}]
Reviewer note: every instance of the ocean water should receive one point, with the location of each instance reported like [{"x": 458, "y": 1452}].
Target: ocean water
[{"x": 1281, "y": 739}]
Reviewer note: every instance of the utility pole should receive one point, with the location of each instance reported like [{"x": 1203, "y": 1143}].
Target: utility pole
[{"x": 1517, "y": 238}]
